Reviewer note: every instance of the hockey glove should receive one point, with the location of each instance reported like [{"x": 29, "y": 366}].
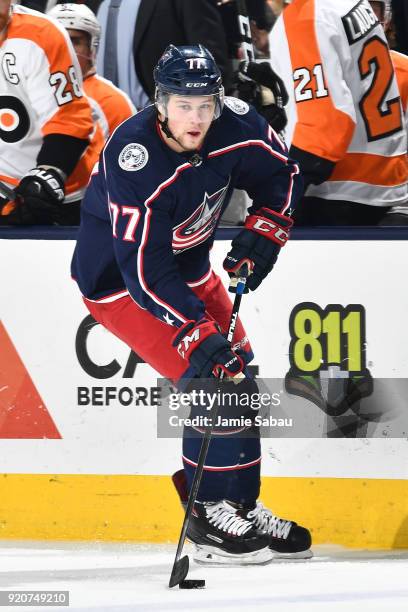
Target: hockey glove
[
  {"x": 206, "y": 349},
  {"x": 259, "y": 85},
  {"x": 41, "y": 193},
  {"x": 258, "y": 245}
]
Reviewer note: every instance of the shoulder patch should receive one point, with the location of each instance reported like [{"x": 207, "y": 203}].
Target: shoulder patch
[
  {"x": 133, "y": 157},
  {"x": 238, "y": 106}
]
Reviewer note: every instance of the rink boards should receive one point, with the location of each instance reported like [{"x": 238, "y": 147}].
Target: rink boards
[{"x": 79, "y": 463}]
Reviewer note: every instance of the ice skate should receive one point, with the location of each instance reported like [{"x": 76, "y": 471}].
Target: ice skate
[
  {"x": 287, "y": 539},
  {"x": 222, "y": 536}
]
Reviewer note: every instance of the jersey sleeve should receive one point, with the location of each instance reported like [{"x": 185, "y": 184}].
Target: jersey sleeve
[
  {"x": 325, "y": 107},
  {"x": 54, "y": 82},
  {"x": 321, "y": 110},
  {"x": 117, "y": 108},
  {"x": 142, "y": 233},
  {"x": 267, "y": 173}
]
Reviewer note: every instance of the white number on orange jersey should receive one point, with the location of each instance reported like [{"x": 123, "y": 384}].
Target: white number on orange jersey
[
  {"x": 60, "y": 81},
  {"x": 62, "y": 92},
  {"x": 317, "y": 87},
  {"x": 74, "y": 80}
]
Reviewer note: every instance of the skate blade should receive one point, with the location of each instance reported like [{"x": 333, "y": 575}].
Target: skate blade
[
  {"x": 295, "y": 556},
  {"x": 207, "y": 555}
]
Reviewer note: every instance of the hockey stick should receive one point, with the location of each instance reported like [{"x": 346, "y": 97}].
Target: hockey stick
[
  {"x": 276, "y": 93},
  {"x": 180, "y": 566},
  {"x": 247, "y": 46}
]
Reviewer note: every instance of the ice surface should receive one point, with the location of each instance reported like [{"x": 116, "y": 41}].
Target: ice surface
[{"x": 128, "y": 578}]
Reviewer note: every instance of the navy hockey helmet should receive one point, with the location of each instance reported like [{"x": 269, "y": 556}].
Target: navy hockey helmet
[{"x": 187, "y": 71}]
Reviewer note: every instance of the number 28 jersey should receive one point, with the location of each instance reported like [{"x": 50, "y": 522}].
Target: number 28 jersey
[
  {"x": 344, "y": 104},
  {"x": 41, "y": 94}
]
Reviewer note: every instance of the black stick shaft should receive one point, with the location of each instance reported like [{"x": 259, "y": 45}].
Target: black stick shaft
[
  {"x": 208, "y": 431},
  {"x": 246, "y": 45}
]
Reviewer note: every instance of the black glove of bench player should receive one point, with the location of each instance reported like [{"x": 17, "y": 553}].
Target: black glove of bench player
[
  {"x": 41, "y": 193},
  {"x": 252, "y": 78},
  {"x": 206, "y": 349},
  {"x": 258, "y": 245}
]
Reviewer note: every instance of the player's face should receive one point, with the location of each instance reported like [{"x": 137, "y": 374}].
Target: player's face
[
  {"x": 189, "y": 118},
  {"x": 81, "y": 43},
  {"x": 4, "y": 13}
]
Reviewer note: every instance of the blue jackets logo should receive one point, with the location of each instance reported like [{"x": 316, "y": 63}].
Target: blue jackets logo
[{"x": 201, "y": 223}]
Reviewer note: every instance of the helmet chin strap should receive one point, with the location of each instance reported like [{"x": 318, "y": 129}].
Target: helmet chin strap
[
  {"x": 165, "y": 128},
  {"x": 165, "y": 124},
  {"x": 194, "y": 157}
]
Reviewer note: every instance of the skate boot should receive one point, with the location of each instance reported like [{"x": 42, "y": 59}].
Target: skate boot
[
  {"x": 221, "y": 536},
  {"x": 287, "y": 540}
]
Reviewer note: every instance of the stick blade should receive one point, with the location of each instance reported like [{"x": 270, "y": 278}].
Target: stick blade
[{"x": 179, "y": 571}]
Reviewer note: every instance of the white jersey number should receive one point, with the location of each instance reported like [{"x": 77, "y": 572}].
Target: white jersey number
[
  {"x": 129, "y": 211},
  {"x": 317, "y": 87},
  {"x": 62, "y": 91}
]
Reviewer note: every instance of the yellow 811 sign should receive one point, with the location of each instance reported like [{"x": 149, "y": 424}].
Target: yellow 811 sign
[{"x": 321, "y": 338}]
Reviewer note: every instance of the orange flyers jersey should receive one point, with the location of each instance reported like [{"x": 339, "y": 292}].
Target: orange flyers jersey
[
  {"x": 344, "y": 101},
  {"x": 40, "y": 94},
  {"x": 110, "y": 104}
]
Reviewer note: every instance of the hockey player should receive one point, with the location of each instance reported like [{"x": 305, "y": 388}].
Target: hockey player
[
  {"x": 142, "y": 265},
  {"x": 345, "y": 122},
  {"x": 110, "y": 105},
  {"x": 45, "y": 121}
]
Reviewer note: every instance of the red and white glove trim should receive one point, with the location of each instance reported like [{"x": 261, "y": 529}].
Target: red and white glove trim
[
  {"x": 271, "y": 225},
  {"x": 238, "y": 264},
  {"x": 187, "y": 342},
  {"x": 207, "y": 350}
]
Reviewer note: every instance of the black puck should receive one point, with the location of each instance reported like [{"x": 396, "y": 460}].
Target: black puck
[{"x": 192, "y": 584}]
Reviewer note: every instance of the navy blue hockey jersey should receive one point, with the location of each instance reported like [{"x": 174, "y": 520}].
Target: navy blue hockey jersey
[{"x": 149, "y": 214}]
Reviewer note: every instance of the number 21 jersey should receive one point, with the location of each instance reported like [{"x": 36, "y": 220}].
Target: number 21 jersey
[{"x": 344, "y": 102}]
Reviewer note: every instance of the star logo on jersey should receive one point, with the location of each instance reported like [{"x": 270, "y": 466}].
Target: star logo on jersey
[{"x": 201, "y": 224}]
